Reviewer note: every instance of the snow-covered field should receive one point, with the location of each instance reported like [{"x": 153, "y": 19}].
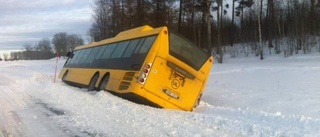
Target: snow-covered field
[{"x": 244, "y": 97}]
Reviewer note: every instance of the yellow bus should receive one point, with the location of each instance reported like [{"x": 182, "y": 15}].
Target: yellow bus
[{"x": 145, "y": 65}]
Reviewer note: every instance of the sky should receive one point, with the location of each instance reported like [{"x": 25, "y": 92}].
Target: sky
[{"x": 28, "y": 21}]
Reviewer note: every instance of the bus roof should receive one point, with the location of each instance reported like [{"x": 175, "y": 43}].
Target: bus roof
[{"x": 142, "y": 31}]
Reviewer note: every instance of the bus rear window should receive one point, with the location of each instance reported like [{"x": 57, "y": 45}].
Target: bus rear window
[{"x": 187, "y": 52}]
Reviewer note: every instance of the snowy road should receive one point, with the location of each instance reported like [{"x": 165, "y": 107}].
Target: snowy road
[
  {"x": 21, "y": 114},
  {"x": 236, "y": 103}
]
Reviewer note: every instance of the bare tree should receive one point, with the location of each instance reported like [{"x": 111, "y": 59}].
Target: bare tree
[
  {"x": 312, "y": 16},
  {"x": 159, "y": 13},
  {"x": 5, "y": 56},
  {"x": 208, "y": 23},
  {"x": 28, "y": 50},
  {"x": 60, "y": 42},
  {"x": 44, "y": 49},
  {"x": 102, "y": 20},
  {"x": 74, "y": 41},
  {"x": 231, "y": 33},
  {"x": 219, "y": 53},
  {"x": 14, "y": 55},
  {"x": 44, "y": 45},
  {"x": 260, "y": 30},
  {"x": 63, "y": 42},
  {"x": 180, "y": 16},
  {"x": 270, "y": 24}
]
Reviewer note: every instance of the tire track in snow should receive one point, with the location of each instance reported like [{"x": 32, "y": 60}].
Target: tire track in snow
[
  {"x": 21, "y": 116},
  {"x": 10, "y": 121},
  {"x": 42, "y": 118}
]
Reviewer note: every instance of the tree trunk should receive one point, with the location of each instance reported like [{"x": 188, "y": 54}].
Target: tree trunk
[
  {"x": 313, "y": 17},
  {"x": 270, "y": 23},
  {"x": 180, "y": 14},
  {"x": 114, "y": 10},
  {"x": 192, "y": 23},
  {"x": 260, "y": 33},
  {"x": 219, "y": 17},
  {"x": 231, "y": 33},
  {"x": 123, "y": 25},
  {"x": 140, "y": 13},
  {"x": 208, "y": 24}
]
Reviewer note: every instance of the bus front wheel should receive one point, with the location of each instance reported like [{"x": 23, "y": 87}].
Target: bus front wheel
[{"x": 93, "y": 82}]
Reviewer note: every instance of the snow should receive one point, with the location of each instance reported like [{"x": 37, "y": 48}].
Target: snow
[{"x": 244, "y": 97}]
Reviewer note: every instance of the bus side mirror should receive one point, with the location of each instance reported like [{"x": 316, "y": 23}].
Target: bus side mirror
[{"x": 69, "y": 54}]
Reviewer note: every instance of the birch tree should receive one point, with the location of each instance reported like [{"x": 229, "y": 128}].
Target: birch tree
[{"x": 260, "y": 30}]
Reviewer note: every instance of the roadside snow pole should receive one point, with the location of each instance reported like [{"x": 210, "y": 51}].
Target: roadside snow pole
[{"x": 55, "y": 72}]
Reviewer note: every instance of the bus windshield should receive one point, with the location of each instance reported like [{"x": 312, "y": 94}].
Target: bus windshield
[{"x": 187, "y": 52}]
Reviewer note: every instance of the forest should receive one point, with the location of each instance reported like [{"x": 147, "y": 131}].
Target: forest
[{"x": 237, "y": 27}]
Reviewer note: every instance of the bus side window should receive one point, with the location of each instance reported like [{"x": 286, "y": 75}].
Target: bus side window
[
  {"x": 139, "y": 45},
  {"x": 108, "y": 51},
  {"x": 120, "y": 49},
  {"x": 85, "y": 55},
  {"x": 147, "y": 44},
  {"x": 130, "y": 48},
  {"x": 79, "y": 56},
  {"x": 93, "y": 54},
  {"x": 101, "y": 51}
]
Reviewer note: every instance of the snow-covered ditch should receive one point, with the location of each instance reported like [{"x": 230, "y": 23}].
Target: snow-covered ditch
[{"x": 244, "y": 97}]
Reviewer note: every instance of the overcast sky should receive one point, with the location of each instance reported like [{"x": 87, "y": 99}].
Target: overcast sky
[{"x": 28, "y": 21}]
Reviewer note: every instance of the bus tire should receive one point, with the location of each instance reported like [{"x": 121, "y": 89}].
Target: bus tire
[
  {"x": 93, "y": 82},
  {"x": 104, "y": 82},
  {"x": 64, "y": 77}
]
